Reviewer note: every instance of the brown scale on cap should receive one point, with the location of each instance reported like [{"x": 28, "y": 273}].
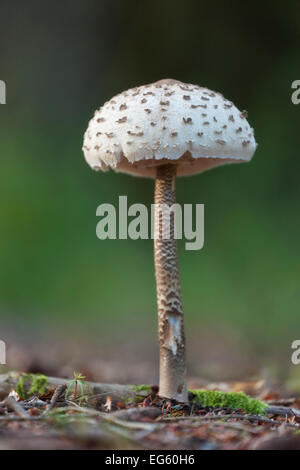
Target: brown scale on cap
[
  {"x": 121, "y": 120},
  {"x": 184, "y": 88},
  {"x": 137, "y": 134}
]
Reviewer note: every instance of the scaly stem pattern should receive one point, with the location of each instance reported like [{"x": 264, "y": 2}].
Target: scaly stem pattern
[{"x": 170, "y": 313}]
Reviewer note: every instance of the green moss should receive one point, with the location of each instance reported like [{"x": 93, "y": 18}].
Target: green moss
[
  {"x": 20, "y": 389},
  {"x": 29, "y": 385},
  {"x": 232, "y": 400},
  {"x": 138, "y": 398},
  {"x": 39, "y": 385},
  {"x": 127, "y": 400},
  {"x": 142, "y": 388}
]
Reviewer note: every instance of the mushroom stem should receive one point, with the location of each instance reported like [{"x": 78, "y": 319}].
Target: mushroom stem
[{"x": 170, "y": 314}]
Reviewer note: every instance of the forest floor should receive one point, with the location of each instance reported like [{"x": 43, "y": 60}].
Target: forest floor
[
  {"x": 37, "y": 412},
  {"x": 44, "y": 412}
]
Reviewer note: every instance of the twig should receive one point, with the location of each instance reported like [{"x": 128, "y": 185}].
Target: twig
[
  {"x": 80, "y": 410},
  {"x": 281, "y": 401},
  {"x": 282, "y": 411},
  {"x": 134, "y": 425},
  {"x": 251, "y": 418},
  {"x": 11, "y": 403},
  {"x": 59, "y": 393},
  {"x": 115, "y": 391},
  {"x": 20, "y": 418}
]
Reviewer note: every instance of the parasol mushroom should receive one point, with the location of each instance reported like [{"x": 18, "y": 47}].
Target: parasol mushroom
[{"x": 163, "y": 130}]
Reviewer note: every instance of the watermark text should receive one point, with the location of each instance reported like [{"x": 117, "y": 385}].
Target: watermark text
[
  {"x": 296, "y": 94},
  {"x": 165, "y": 222},
  {"x": 2, "y": 352},
  {"x": 2, "y": 92},
  {"x": 295, "y": 358}
]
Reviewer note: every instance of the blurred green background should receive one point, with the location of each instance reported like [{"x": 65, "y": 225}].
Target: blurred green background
[{"x": 61, "y": 61}]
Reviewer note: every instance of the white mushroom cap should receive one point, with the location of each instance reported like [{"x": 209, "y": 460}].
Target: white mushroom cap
[{"x": 167, "y": 122}]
